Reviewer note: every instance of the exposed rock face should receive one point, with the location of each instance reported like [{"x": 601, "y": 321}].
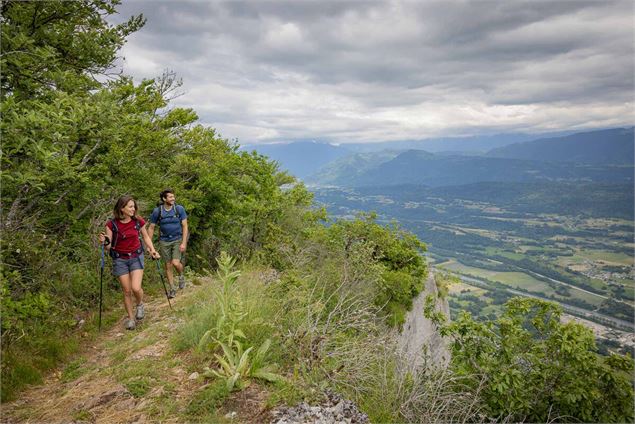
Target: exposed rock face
[
  {"x": 418, "y": 336},
  {"x": 333, "y": 410}
]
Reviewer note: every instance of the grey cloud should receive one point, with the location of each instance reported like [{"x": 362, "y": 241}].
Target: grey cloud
[{"x": 369, "y": 57}]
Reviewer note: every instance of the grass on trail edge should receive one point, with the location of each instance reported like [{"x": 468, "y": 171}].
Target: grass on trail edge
[{"x": 125, "y": 376}]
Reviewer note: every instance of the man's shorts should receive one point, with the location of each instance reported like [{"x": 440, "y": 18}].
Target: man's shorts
[
  {"x": 122, "y": 266},
  {"x": 170, "y": 250}
]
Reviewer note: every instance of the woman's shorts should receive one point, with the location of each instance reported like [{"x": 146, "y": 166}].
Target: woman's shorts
[{"x": 122, "y": 266}]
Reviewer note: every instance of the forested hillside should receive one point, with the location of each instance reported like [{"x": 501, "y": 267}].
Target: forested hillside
[{"x": 319, "y": 299}]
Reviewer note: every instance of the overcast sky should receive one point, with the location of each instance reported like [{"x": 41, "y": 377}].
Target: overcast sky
[{"x": 363, "y": 71}]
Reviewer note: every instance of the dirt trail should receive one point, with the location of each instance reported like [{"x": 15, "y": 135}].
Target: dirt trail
[{"x": 97, "y": 393}]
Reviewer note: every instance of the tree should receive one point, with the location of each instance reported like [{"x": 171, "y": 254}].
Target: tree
[
  {"x": 58, "y": 45},
  {"x": 528, "y": 366}
]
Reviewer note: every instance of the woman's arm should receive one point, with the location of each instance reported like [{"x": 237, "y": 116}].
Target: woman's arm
[{"x": 106, "y": 235}]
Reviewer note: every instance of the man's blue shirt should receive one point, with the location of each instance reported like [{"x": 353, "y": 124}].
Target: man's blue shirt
[{"x": 170, "y": 224}]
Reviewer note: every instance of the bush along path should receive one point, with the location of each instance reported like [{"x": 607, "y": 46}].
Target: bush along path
[{"x": 132, "y": 376}]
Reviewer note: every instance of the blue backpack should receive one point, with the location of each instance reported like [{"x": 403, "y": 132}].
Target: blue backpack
[{"x": 176, "y": 213}]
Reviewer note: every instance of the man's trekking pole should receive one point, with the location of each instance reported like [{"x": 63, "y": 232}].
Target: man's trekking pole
[
  {"x": 101, "y": 283},
  {"x": 163, "y": 282}
]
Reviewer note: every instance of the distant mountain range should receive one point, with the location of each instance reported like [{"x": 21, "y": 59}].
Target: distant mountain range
[
  {"x": 300, "y": 158},
  {"x": 598, "y": 156},
  {"x": 305, "y": 157},
  {"x": 614, "y": 146},
  {"x": 424, "y": 168},
  {"x": 475, "y": 145}
]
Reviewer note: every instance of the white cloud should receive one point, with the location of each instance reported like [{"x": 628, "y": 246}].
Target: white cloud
[
  {"x": 285, "y": 36},
  {"x": 140, "y": 62}
]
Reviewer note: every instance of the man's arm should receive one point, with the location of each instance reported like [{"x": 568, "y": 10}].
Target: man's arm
[
  {"x": 154, "y": 217},
  {"x": 183, "y": 245}
]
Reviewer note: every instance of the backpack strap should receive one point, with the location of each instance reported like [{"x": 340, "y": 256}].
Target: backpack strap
[
  {"x": 115, "y": 236},
  {"x": 160, "y": 208},
  {"x": 137, "y": 226},
  {"x": 176, "y": 213},
  {"x": 115, "y": 233}
]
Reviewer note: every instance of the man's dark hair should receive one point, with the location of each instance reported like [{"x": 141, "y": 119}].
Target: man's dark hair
[{"x": 164, "y": 194}]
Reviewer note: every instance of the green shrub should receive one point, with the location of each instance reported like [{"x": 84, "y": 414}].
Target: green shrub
[
  {"x": 443, "y": 281},
  {"x": 528, "y": 366},
  {"x": 236, "y": 364}
]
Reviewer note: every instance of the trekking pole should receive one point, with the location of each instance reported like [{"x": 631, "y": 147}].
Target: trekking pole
[
  {"x": 101, "y": 283},
  {"x": 162, "y": 281}
]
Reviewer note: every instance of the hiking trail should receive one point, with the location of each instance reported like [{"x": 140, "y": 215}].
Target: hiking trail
[{"x": 131, "y": 376}]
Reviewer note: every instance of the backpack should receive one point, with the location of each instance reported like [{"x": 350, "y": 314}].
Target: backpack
[
  {"x": 115, "y": 233},
  {"x": 176, "y": 214}
]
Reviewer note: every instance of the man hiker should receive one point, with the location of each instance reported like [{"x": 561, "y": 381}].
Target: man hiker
[{"x": 173, "y": 233}]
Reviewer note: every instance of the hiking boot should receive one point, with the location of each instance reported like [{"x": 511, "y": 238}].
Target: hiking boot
[
  {"x": 181, "y": 282},
  {"x": 171, "y": 294},
  {"x": 130, "y": 324},
  {"x": 140, "y": 311}
]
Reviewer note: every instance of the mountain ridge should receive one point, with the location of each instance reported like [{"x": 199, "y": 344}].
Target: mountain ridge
[
  {"x": 614, "y": 146},
  {"x": 421, "y": 167}
]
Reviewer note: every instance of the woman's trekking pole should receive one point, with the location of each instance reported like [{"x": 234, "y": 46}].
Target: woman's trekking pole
[
  {"x": 101, "y": 283},
  {"x": 163, "y": 282}
]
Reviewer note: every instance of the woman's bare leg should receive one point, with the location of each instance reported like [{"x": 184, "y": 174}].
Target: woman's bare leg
[
  {"x": 136, "y": 277},
  {"x": 126, "y": 285}
]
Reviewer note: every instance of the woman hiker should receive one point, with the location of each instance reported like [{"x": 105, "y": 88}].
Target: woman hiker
[{"x": 122, "y": 240}]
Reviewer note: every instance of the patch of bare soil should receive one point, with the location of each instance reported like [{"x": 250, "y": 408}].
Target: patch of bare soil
[{"x": 247, "y": 406}]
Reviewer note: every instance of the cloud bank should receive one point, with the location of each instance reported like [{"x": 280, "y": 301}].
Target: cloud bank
[{"x": 364, "y": 71}]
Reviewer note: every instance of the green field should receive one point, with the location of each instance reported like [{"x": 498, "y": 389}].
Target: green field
[
  {"x": 456, "y": 288},
  {"x": 511, "y": 279},
  {"x": 491, "y": 251},
  {"x": 522, "y": 281},
  {"x": 626, "y": 282},
  {"x": 606, "y": 257},
  {"x": 519, "y": 280},
  {"x": 453, "y": 265}
]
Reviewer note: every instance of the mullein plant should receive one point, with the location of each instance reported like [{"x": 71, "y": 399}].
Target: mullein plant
[
  {"x": 236, "y": 365},
  {"x": 230, "y": 311}
]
